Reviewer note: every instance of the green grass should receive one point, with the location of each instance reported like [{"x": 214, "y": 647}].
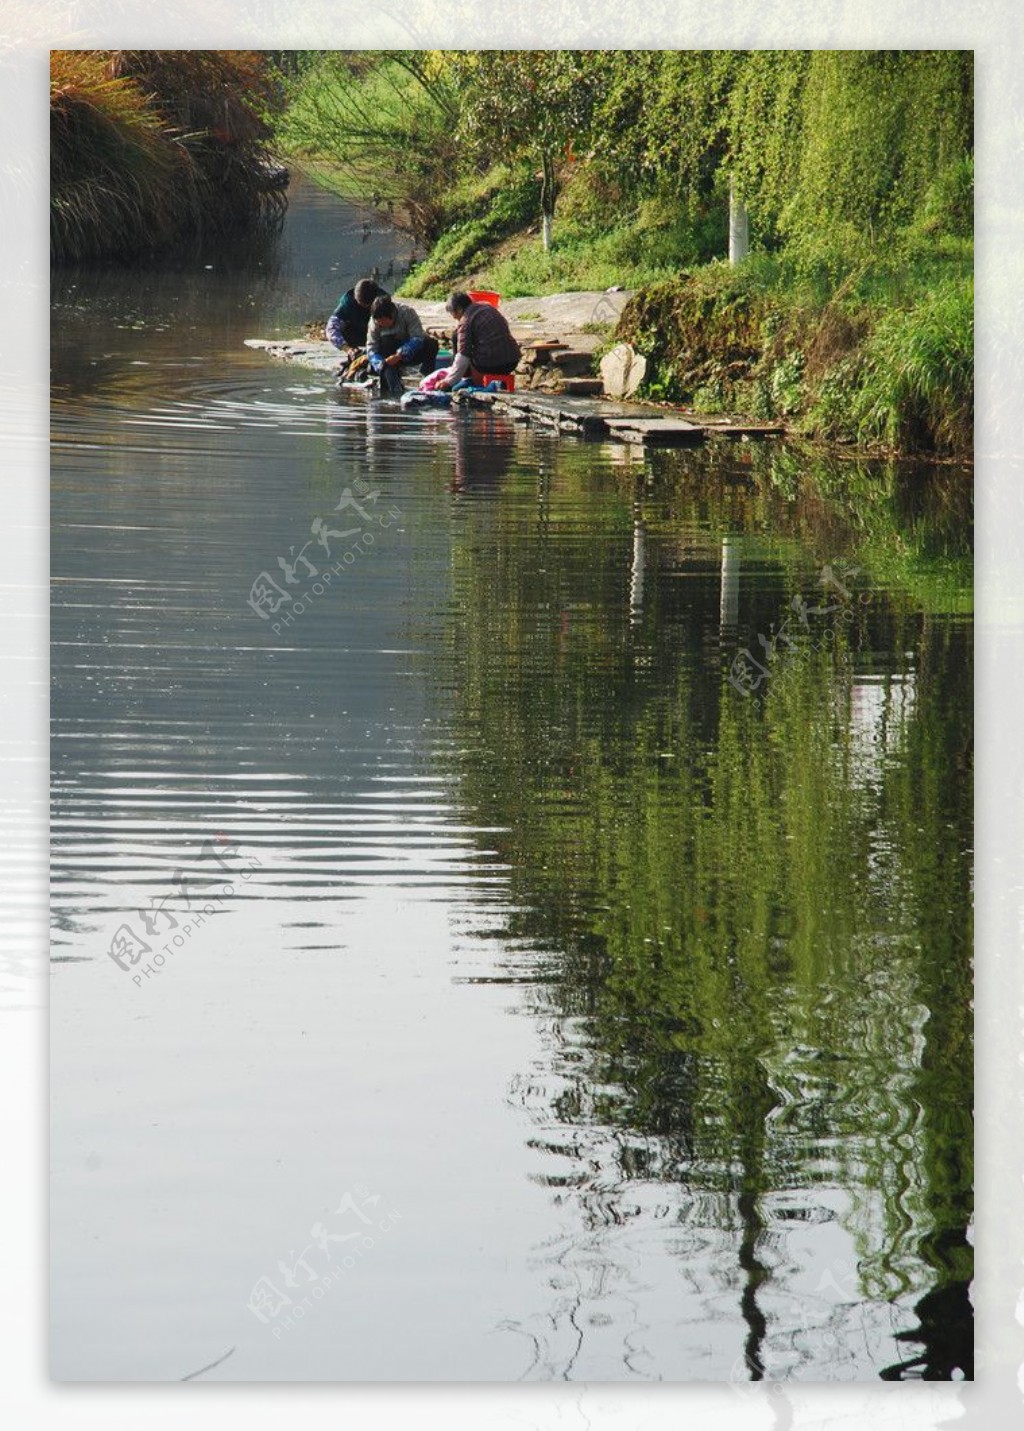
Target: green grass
[
  {"x": 587, "y": 253},
  {"x": 482, "y": 212},
  {"x": 917, "y": 373},
  {"x": 576, "y": 262}
]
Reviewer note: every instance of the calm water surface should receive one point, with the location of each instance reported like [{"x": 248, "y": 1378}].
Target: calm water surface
[{"x": 503, "y": 992}]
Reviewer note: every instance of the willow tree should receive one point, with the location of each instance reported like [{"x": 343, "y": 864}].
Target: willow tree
[
  {"x": 385, "y": 119},
  {"x": 531, "y": 106},
  {"x": 662, "y": 126},
  {"x": 843, "y": 147},
  {"x": 823, "y": 147}
]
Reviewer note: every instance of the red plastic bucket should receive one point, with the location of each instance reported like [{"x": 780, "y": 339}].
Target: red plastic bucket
[{"x": 482, "y": 296}]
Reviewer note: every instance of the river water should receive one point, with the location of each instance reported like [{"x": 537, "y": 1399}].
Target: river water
[{"x": 511, "y": 894}]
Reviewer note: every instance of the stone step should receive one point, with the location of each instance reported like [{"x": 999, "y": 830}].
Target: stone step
[
  {"x": 635, "y": 423},
  {"x": 582, "y": 387},
  {"x": 573, "y": 357},
  {"x": 744, "y": 430},
  {"x": 655, "y": 432}
]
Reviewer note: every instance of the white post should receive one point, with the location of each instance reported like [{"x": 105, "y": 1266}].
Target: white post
[
  {"x": 739, "y": 234},
  {"x": 636, "y": 572},
  {"x": 729, "y": 591},
  {"x": 545, "y": 229}
]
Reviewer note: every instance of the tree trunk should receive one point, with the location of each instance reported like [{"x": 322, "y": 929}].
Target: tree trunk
[
  {"x": 547, "y": 200},
  {"x": 739, "y": 234}
]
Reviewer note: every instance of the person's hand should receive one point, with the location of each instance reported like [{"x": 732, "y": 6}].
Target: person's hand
[
  {"x": 443, "y": 385},
  {"x": 394, "y": 361}
]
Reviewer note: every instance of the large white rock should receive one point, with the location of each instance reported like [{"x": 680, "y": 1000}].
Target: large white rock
[{"x": 622, "y": 370}]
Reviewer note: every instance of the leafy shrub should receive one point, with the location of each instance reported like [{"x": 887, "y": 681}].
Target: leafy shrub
[{"x": 786, "y": 385}]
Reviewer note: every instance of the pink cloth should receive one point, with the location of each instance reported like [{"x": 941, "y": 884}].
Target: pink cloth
[{"x": 431, "y": 381}]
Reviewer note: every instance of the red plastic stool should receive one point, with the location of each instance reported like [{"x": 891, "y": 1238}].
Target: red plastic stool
[{"x": 507, "y": 380}]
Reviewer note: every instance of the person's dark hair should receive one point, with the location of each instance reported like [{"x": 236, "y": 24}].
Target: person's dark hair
[
  {"x": 382, "y": 307},
  {"x": 366, "y": 291},
  {"x": 457, "y": 303}
]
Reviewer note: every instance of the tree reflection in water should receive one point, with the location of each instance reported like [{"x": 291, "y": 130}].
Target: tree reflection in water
[{"x": 749, "y": 917}]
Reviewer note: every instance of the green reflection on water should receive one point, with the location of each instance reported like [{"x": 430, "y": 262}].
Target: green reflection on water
[{"x": 758, "y": 907}]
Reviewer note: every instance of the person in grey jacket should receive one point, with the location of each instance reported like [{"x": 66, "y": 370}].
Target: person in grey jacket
[{"x": 395, "y": 338}]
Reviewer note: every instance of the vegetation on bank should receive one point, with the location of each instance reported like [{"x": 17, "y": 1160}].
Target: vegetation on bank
[
  {"x": 150, "y": 148},
  {"x": 849, "y": 366},
  {"x": 534, "y": 172}
]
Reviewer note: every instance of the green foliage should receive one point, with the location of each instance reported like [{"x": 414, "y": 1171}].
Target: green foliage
[
  {"x": 702, "y": 333},
  {"x": 877, "y": 127},
  {"x": 786, "y": 384},
  {"x": 498, "y": 205},
  {"x": 917, "y": 374},
  {"x": 661, "y": 118},
  {"x": 831, "y": 414},
  {"x": 948, "y": 206},
  {"x": 587, "y": 252},
  {"x": 760, "y": 340},
  {"x": 384, "y": 120},
  {"x": 816, "y": 140},
  {"x": 525, "y": 105},
  {"x": 765, "y": 131}
]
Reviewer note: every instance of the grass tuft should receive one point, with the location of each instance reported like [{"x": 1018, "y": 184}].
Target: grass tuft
[
  {"x": 150, "y": 147},
  {"x": 916, "y": 377}
]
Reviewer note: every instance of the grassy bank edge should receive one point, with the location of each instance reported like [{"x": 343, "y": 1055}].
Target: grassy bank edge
[{"x": 877, "y": 354}]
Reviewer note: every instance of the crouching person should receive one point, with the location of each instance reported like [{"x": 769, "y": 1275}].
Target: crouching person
[
  {"x": 347, "y": 325},
  {"x": 395, "y": 339},
  {"x": 483, "y": 342}
]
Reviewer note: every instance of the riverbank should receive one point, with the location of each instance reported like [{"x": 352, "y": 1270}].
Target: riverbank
[
  {"x": 881, "y": 358},
  {"x": 561, "y": 344},
  {"x": 722, "y": 348},
  {"x": 563, "y": 336}
]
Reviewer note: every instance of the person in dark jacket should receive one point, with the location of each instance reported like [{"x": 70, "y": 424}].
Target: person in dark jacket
[
  {"x": 347, "y": 325},
  {"x": 394, "y": 338},
  {"x": 483, "y": 342}
]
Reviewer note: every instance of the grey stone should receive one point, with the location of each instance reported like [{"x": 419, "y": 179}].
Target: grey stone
[{"x": 623, "y": 370}]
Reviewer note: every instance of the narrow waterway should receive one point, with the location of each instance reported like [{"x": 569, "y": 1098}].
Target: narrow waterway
[{"x": 511, "y": 894}]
